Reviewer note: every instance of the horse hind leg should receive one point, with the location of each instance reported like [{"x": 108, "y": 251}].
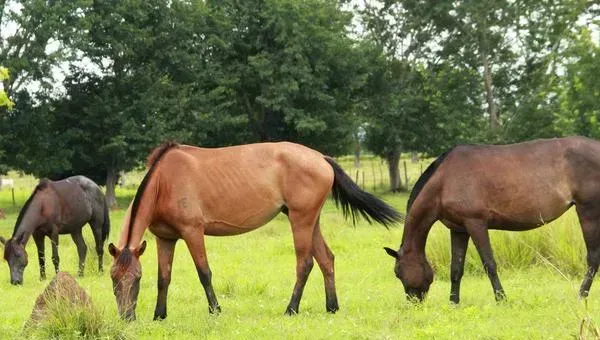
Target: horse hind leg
[
  {"x": 303, "y": 225},
  {"x": 96, "y": 225},
  {"x": 590, "y": 226},
  {"x": 325, "y": 259},
  {"x": 77, "y": 237}
]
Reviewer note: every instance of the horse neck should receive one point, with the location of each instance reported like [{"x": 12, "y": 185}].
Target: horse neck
[
  {"x": 32, "y": 219},
  {"x": 143, "y": 219},
  {"x": 415, "y": 234}
]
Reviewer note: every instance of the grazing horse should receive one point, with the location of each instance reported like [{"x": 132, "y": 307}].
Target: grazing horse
[
  {"x": 516, "y": 187},
  {"x": 61, "y": 207},
  {"x": 189, "y": 192}
]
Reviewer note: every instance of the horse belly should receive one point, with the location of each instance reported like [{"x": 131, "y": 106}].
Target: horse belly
[
  {"x": 163, "y": 230},
  {"x": 218, "y": 227}
]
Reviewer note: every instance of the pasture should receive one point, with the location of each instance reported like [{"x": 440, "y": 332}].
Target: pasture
[{"x": 253, "y": 275}]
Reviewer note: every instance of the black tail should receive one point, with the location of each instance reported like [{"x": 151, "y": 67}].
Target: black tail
[
  {"x": 354, "y": 200},
  {"x": 106, "y": 222}
]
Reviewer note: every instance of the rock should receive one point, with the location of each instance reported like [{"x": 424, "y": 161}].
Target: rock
[{"x": 63, "y": 289}]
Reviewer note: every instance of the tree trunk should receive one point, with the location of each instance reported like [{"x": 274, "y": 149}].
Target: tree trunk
[
  {"x": 111, "y": 181},
  {"x": 489, "y": 93},
  {"x": 357, "y": 155},
  {"x": 393, "y": 160}
]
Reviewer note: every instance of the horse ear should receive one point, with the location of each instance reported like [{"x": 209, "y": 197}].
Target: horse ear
[
  {"x": 2, "y": 240},
  {"x": 113, "y": 250},
  {"x": 141, "y": 249},
  {"x": 391, "y": 252}
]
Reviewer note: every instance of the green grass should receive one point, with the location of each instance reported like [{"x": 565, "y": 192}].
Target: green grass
[{"x": 254, "y": 273}]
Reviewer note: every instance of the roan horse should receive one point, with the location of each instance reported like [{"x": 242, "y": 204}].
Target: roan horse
[
  {"x": 61, "y": 207},
  {"x": 517, "y": 187},
  {"x": 189, "y": 192}
]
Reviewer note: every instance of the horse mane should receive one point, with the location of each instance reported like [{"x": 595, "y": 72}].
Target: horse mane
[
  {"x": 424, "y": 179},
  {"x": 158, "y": 152},
  {"x": 44, "y": 183},
  {"x": 153, "y": 159},
  {"x": 124, "y": 258}
]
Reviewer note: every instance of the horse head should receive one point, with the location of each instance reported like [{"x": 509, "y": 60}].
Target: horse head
[
  {"x": 126, "y": 273},
  {"x": 414, "y": 271},
  {"x": 16, "y": 256}
]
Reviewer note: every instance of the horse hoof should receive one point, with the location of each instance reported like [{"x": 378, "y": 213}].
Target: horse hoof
[
  {"x": 160, "y": 317},
  {"x": 214, "y": 310},
  {"x": 290, "y": 312},
  {"x": 333, "y": 309}
]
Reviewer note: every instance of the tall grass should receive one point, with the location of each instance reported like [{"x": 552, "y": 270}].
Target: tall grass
[{"x": 65, "y": 320}]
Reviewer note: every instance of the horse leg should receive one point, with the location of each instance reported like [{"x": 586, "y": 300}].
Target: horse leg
[
  {"x": 302, "y": 228},
  {"x": 77, "y": 237},
  {"x": 481, "y": 239},
  {"x": 590, "y": 225},
  {"x": 325, "y": 259},
  {"x": 459, "y": 242},
  {"x": 195, "y": 244},
  {"x": 39, "y": 242},
  {"x": 97, "y": 231},
  {"x": 165, "y": 249},
  {"x": 55, "y": 258}
]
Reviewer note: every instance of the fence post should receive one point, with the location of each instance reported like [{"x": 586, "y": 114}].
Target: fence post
[
  {"x": 13, "y": 196},
  {"x": 356, "y": 178},
  {"x": 374, "y": 177}
]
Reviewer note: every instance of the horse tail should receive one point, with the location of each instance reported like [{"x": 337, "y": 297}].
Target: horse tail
[
  {"x": 353, "y": 200},
  {"x": 424, "y": 178},
  {"x": 106, "y": 221},
  {"x": 153, "y": 160}
]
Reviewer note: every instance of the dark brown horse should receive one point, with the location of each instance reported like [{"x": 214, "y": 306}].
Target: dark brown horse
[
  {"x": 471, "y": 189},
  {"x": 61, "y": 207},
  {"x": 190, "y": 192}
]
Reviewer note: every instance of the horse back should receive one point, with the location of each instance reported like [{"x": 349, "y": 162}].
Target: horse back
[
  {"x": 72, "y": 205},
  {"x": 516, "y": 186},
  {"x": 240, "y": 187}
]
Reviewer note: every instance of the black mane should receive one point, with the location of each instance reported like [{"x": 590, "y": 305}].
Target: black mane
[
  {"x": 156, "y": 155},
  {"x": 424, "y": 178},
  {"x": 41, "y": 185}
]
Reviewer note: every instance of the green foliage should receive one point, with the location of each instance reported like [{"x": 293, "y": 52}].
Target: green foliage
[{"x": 4, "y": 100}]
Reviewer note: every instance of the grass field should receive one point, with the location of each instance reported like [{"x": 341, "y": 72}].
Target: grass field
[{"x": 253, "y": 275}]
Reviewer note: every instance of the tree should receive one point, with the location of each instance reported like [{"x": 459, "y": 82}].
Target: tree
[
  {"x": 286, "y": 68},
  {"x": 4, "y": 100}
]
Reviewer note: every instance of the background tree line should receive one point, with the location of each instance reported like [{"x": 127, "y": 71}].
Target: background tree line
[{"x": 97, "y": 83}]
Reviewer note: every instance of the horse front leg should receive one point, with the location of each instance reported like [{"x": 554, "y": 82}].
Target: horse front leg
[
  {"x": 481, "y": 239},
  {"x": 195, "y": 243},
  {"x": 459, "y": 242},
  {"x": 39, "y": 243},
  {"x": 591, "y": 234},
  {"x": 55, "y": 258},
  {"x": 166, "y": 250}
]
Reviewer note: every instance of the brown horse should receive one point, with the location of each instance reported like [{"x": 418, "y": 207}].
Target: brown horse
[
  {"x": 61, "y": 207},
  {"x": 471, "y": 189},
  {"x": 189, "y": 192}
]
